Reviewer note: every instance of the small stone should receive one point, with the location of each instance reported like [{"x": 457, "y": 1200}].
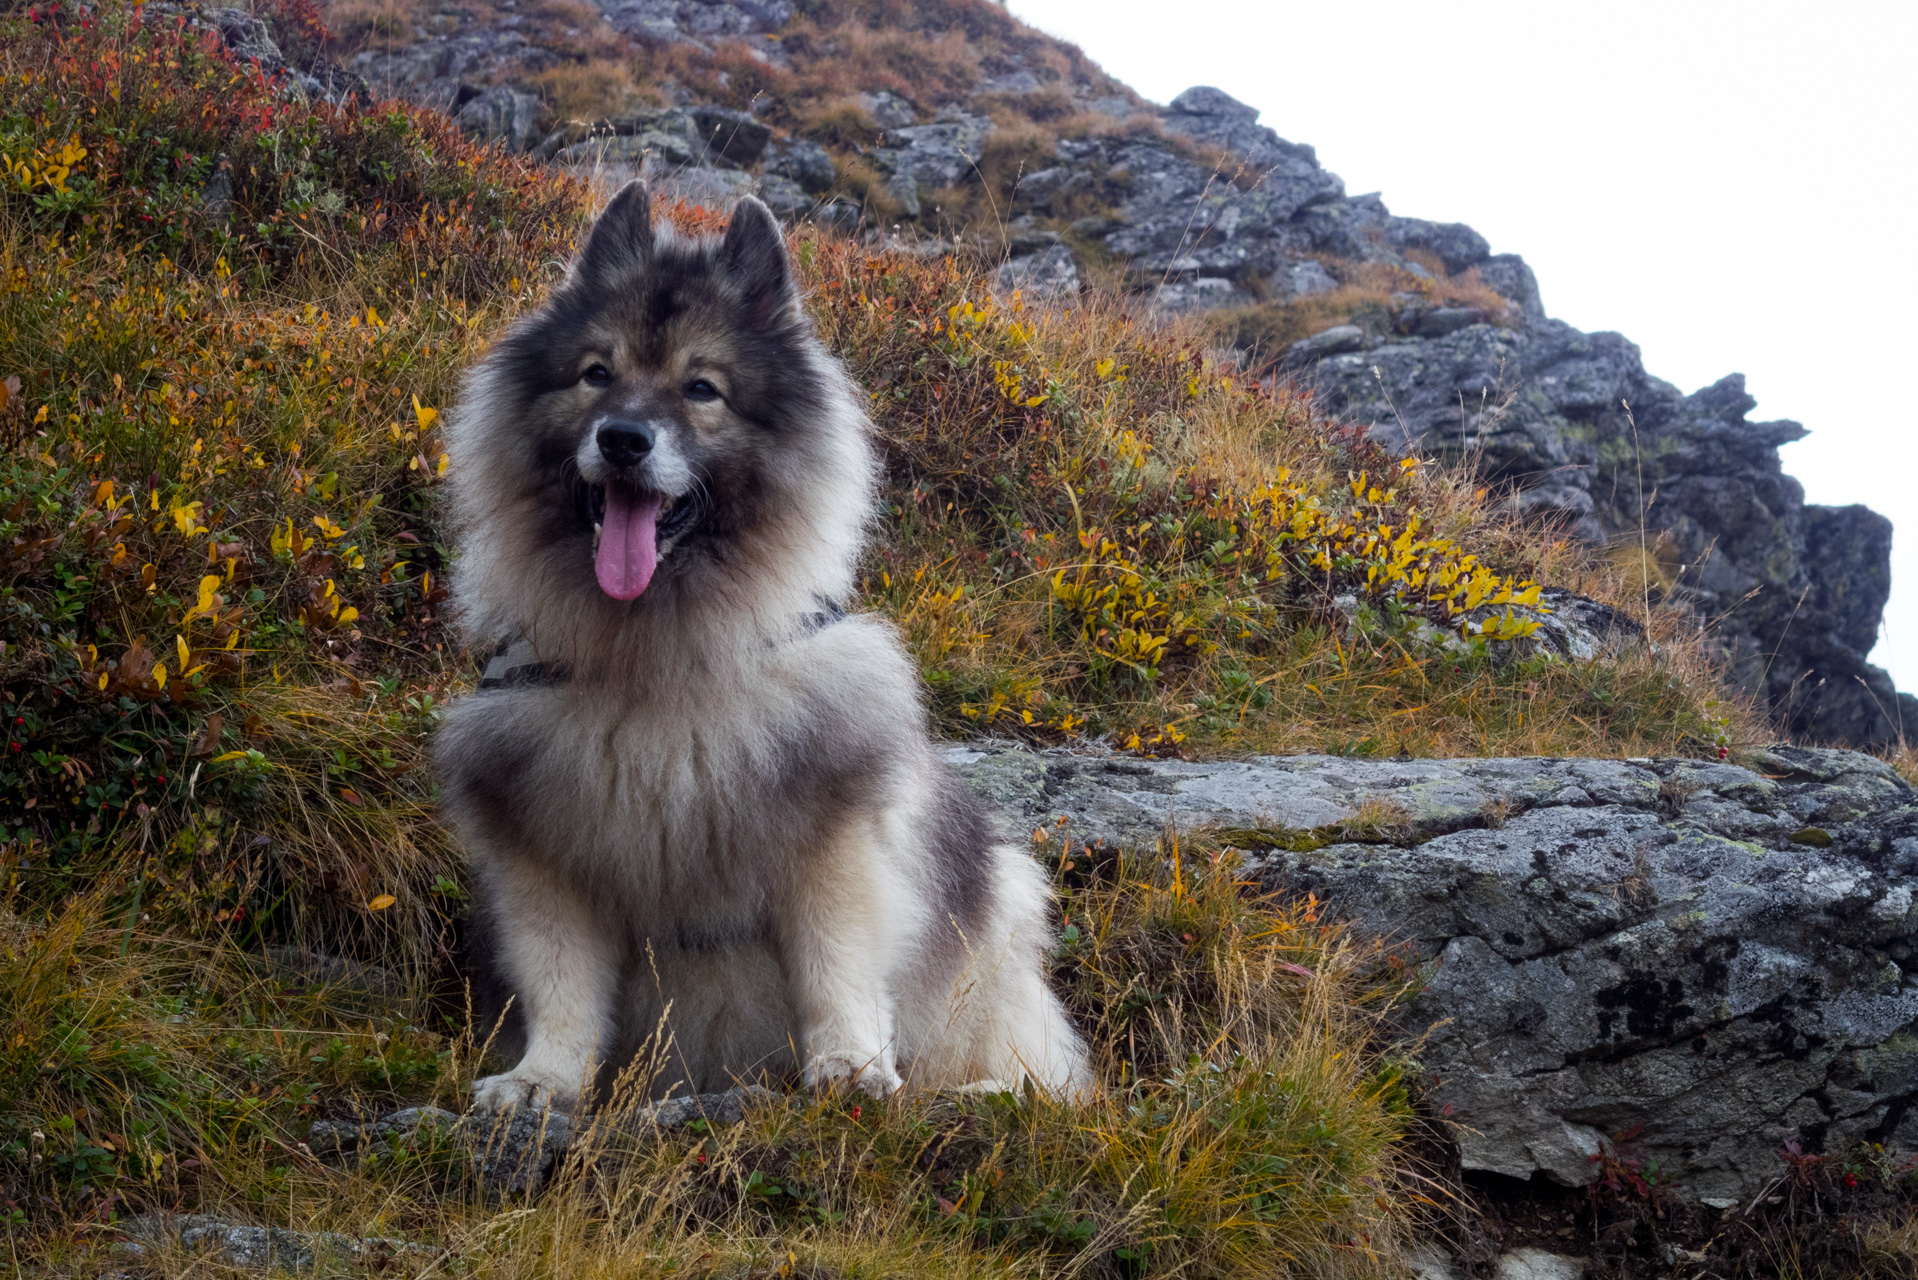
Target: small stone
[
  {"x": 806, "y": 163},
  {"x": 1046, "y": 276},
  {"x": 1304, "y": 280},
  {"x": 1429, "y": 1262},
  {"x": 515, "y": 1152},
  {"x": 1206, "y": 294},
  {"x": 732, "y": 136},
  {"x": 504, "y": 115},
  {"x": 1537, "y": 1264},
  {"x": 728, "y": 1107},
  {"x": 1326, "y": 342},
  {"x": 887, "y": 109},
  {"x": 1815, "y": 837},
  {"x": 1439, "y": 321}
]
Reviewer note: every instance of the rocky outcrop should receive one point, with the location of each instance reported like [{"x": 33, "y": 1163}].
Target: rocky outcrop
[
  {"x": 1204, "y": 209},
  {"x": 1720, "y": 958},
  {"x": 1581, "y": 433}
]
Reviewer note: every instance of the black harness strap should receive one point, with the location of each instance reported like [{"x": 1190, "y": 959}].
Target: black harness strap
[{"x": 514, "y": 665}]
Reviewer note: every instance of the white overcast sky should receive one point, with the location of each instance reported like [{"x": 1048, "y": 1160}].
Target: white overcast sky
[{"x": 1729, "y": 185}]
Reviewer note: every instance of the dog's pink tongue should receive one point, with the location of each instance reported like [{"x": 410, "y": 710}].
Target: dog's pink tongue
[{"x": 628, "y": 547}]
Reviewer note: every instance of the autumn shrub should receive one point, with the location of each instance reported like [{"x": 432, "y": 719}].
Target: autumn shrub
[{"x": 1091, "y": 528}]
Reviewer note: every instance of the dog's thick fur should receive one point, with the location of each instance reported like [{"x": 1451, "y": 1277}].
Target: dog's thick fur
[{"x": 726, "y": 818}]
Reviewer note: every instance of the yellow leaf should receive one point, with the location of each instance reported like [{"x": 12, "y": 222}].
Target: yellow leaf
[
  {"x": 382, "y": 902},
  {"x": 209, "y": 585},
  {"x": 225, "y": 756},
  {"x": 179, "y": 642},
  {"x": 424, "y": 414},
  {"x": 159, "y": 675}
]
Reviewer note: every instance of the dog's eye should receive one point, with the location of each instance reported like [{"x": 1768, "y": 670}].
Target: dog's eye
[
  {"x": 700, "y": 389},
  {"x": 597, "y": 376}
]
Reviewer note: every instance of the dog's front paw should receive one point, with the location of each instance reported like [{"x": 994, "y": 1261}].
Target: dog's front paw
[
  {"x": 872, "y": 1074},
  {"x": 515, "y": 1089}
]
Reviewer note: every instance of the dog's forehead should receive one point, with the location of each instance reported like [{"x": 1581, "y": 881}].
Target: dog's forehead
[{"x": 656, "y": 324}]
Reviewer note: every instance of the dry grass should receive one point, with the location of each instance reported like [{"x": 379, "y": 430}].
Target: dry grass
[
  {"x": 1247, "y": 1117},
  {"x": 1367, "y": 292},
  {"x": 1122, "y": 434}
]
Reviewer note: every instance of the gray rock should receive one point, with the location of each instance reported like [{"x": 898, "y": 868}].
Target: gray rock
[
  {"x": 672, "y": 136},
  {"x": 216, "y": 197},
  {"x": 701, "y": 23},
  {"x": 718, "y": 189},
  {"x": 924, "y": 157},
  {"x": 1354, "y": 228},
  {"x": 1020, "y": 81},
  {"x": 1043, "y": 189},
  {"x": 887, "y": 109},
  {"x": 515, "y": 1152},
  {"x": 1576, "y": 429},
  {"x": 1287, "y": 172},
  {"x": 807, "y": 164},
  {"x": 1181, "y": 219},
  {"x": 505, "y": 115},
  {"x": 1207, "y": 294},
  {"x": 1512, "y": 280},
  {"x": 728, "y": 1107},
  {"x": 247, "y": 37},
  {"x": 330, "y": 1138},
  {"x": 1453, "y": 243},
  {"x": 732, "y": 137},
  {"x": 1048, "y": 275},
  {"x": 1436, "y": 322},
  {"x": 1429, "y": 1262},
  {"x": 250, "y": 39},
  {"x": 1340, "y": 337},
  {"x": 1610, "y": 943},
  {"x": 786, "y": 198},
  {"x": 1303, "y": 279},
  {"x": 1537, "y": 1264},
  {"x": 259, "y": 1248},
  {"x": 1569, "y": 628}
]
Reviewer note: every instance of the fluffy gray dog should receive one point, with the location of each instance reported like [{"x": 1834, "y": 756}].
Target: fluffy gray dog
[{"x": 698, "y": 796}]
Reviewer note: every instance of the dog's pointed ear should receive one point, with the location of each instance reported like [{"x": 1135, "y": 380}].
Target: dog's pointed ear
[
  {"x": 755, "y": 257},
  {"x": 622, "y": 236}
]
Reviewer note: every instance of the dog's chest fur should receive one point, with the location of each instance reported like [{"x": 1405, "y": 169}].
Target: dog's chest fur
[{"x": 689, "y": 800}]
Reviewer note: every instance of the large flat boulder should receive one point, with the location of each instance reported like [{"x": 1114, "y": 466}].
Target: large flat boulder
[{"x": 1712, "y": 958}]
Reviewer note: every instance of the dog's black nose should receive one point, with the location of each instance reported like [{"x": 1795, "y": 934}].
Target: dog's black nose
[{"x": 624, "y": 443}]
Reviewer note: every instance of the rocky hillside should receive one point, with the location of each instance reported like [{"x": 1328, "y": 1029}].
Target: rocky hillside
[{"x": 953, "y": 123}]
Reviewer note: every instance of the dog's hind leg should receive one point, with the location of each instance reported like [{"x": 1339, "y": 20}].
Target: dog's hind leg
[{"x": 561, "y": 963}]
